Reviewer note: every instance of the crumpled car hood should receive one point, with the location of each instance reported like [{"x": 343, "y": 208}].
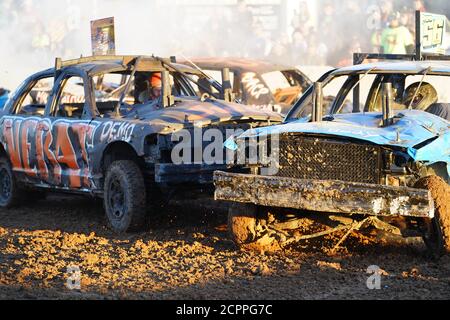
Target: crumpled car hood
[{"x": 190, "y": 112}]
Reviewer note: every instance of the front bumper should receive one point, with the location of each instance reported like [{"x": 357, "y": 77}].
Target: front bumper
[
  {"x": 331, "y": 196},
  {"x": 167, "y": 173}
]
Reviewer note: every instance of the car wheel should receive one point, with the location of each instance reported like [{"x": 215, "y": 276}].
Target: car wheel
[
  {"x": 243, "y": 226},
  {"x": 125, "y": 197},
  {"x": 437, "y": 235},
  {"x": 10, "y": 194}
]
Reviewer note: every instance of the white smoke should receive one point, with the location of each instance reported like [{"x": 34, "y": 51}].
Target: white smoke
[{"x": 34, "y": 32}]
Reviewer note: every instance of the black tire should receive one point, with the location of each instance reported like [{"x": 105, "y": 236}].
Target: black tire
[
  {"x": 243, "y": 221},
  {"x": 10, "y": 193},
  {"x": 125, "y": 197},
  {"x": 437, "y": 235}
]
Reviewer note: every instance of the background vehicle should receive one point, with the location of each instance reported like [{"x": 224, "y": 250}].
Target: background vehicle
[
  {"x": 381, "y": 159},
  {"x": 3, "y": 97},
  {"x": 258, "y": 83},
  {"x": 96, "y": 135}
]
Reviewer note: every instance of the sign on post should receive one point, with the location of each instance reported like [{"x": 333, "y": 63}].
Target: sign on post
[
  {"x": 103, "y": 37},
  {"x": 432, "y": 33}
]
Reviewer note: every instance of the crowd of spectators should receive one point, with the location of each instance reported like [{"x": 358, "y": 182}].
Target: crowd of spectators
[
  {"x": 24, "y": 28},
  {"x": 326, "y": 33},
  {"x": 344, "y": 27}
]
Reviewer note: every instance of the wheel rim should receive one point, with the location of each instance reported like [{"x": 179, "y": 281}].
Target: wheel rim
[
  {"x": 5, "y": 185},
  {"x": 116, "y": 199}
]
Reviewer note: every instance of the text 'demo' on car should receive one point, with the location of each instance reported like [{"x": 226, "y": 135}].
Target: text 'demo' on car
[
  {"x": 375, "y": 153},
  {"x": 106, "y": 128}
]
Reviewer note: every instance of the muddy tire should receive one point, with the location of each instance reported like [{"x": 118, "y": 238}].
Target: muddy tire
[
  {"x": 437, "y": 237},
  {"x": 243, "y": 221},
  {"x": 125, "y": 197},
  {"x": 10, "y": 193}
]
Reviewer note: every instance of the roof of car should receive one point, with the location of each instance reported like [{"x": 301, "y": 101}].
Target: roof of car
[
  {"x": 413, "y": 67},
  {"x": 242, "y": 64},
  {"x": 105, "y": 64}
]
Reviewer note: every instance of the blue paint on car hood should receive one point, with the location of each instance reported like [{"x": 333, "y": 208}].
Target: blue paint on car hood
[{"x": 411, "y": 128}]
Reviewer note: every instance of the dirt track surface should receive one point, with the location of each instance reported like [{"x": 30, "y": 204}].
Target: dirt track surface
[{"x": 187, "y": 255}]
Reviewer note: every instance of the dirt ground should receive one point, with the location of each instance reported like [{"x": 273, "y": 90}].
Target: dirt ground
[{"x": 187, "y": 255}]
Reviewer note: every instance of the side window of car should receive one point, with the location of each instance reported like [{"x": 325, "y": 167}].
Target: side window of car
[
  {"x": 108, "y": 89},
  {"x": 330, "y": 91},
  {"x": 33, "y": 101},
  {"x": 235, "y": 84},
  {"x": 71, "y": 98}
]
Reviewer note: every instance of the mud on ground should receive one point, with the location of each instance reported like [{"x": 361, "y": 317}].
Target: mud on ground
[{"x": 187, "y": 255}]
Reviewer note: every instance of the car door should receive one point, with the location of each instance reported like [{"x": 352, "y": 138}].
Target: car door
[
  {"x": 70, "y": 131},
  {"x": 23, "y": 114}
]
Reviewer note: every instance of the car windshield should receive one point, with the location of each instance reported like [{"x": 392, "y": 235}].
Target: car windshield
[
  {"x": 415, "y": 91},
  {"x": 110, "y": 86},
  {"x": 144, "y": 88}
]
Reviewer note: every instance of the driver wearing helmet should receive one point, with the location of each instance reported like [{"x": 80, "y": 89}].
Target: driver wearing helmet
[
  {"x": 155, "y": 86},
  {"x": 152, "y": 89},
  {"x": 426, "y": 98},
  {"x": 420, "y": 96}
]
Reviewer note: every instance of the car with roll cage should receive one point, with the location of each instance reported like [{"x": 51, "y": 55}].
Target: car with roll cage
[
  {"x": 378, "y": 157},
  {"x": 257, "y": 83},
  {"x": 95, "y": 132}
]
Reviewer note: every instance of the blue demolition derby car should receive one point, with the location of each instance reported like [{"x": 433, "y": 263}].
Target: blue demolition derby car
[{"x": 377, "y": 154}]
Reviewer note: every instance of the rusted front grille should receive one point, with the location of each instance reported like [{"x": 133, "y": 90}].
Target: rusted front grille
[{"x": 306, "y": 157}]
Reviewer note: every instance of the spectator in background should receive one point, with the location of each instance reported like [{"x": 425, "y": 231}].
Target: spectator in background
[
  {"x": 396, "y": 39},
  {"x": 258, "y": 45},
  {"x": 408, "y": 19},
  {"x": 301, "y": 16},
  {"x": 280, "y": 53},
  {"x": 242, "y": 26},
  {"x": 375, "y": 41},
  {"x": 419, "y": 5},
  {"x": 387, "y": 8},
  {"x": 347, "y": 56},
  {"x": 299, "y": 47}
]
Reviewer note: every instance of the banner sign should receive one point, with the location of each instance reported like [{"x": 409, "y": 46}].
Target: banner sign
[
  {"x": 103, "y": 37},
  {"x": 432, "y": 33}
]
